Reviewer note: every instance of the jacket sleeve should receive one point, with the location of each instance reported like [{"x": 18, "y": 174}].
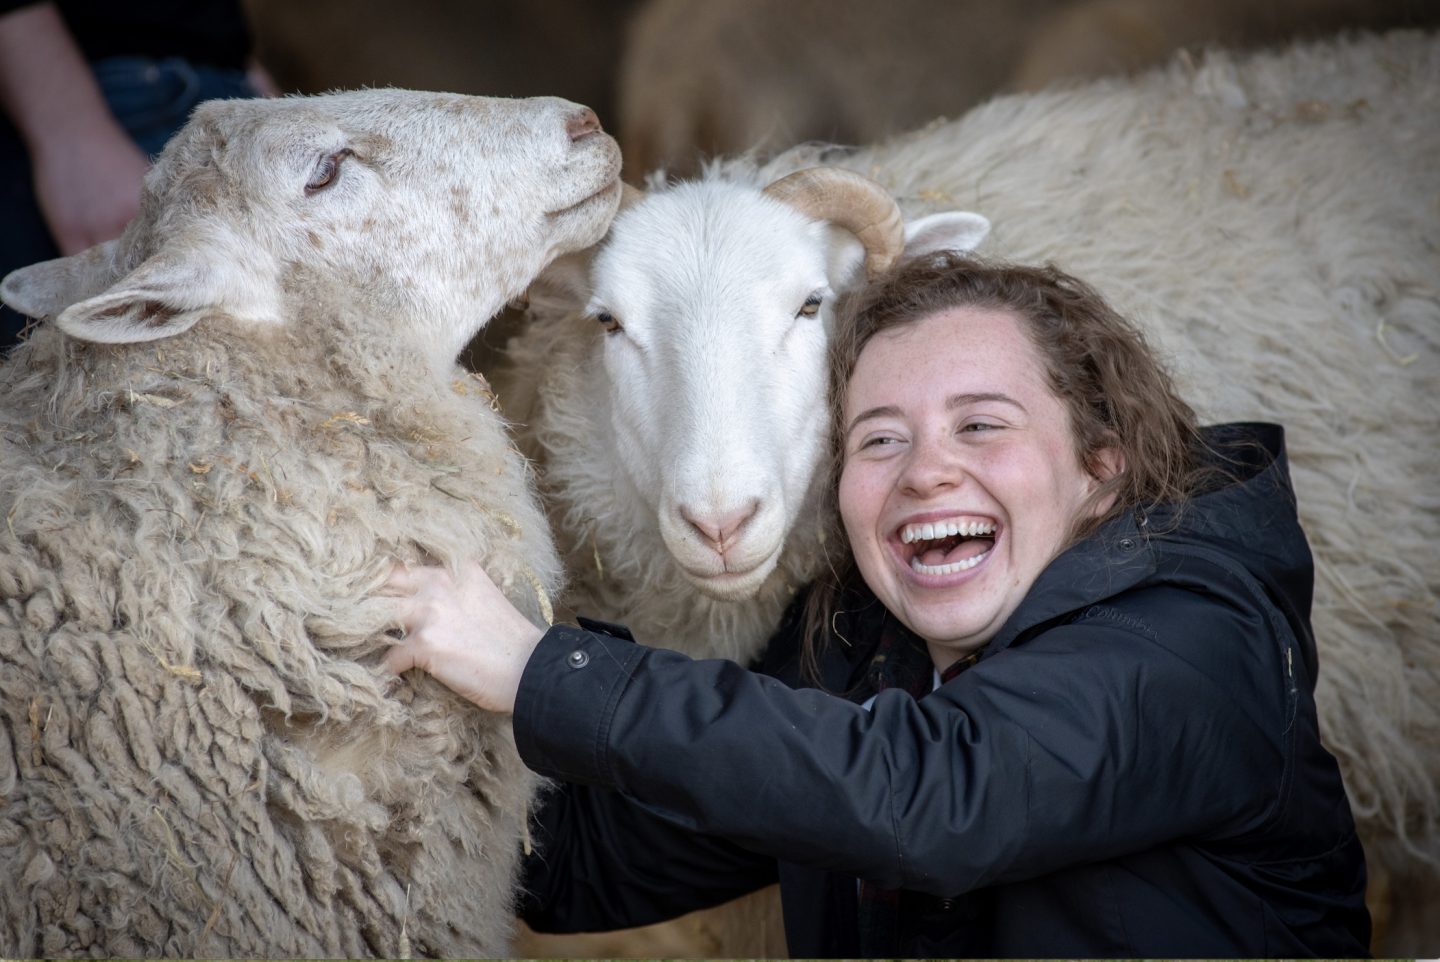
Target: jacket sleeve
[
  {"x": 600, "y": 862},
  {"x": 1086, "y": 742}
]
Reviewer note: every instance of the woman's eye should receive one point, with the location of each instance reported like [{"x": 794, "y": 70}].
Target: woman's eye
[
  {"x": 608, "y": 322},
  {"x": 811, "y": 307},
  {"x": 977, "y": 426},
  {"x": 327, "y": 171}
]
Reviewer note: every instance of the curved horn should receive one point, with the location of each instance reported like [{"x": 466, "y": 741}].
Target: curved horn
[{"x": 849, "y": 200}]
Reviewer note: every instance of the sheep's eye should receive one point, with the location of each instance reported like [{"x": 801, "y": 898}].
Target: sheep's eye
[
  {"x": 608, "y": 321},
  {"x": 327, "y": 171},
  {"x": 811, "y": 307}
]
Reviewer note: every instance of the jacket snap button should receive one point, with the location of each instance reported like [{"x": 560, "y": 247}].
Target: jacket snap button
[
  {"x": 577, "y": 659},
  {"x": 1127, "y": 543},
  {"x": 947, "y": 904}
]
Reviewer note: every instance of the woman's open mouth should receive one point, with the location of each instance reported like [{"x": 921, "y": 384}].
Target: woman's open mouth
[{"x": 946, "y": 547}]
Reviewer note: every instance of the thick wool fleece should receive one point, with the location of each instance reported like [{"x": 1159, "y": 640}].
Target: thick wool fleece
[{"x": 198, "y": 756}]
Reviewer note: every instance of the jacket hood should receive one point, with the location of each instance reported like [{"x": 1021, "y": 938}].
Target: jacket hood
[{"x": 1245, "y": 518}]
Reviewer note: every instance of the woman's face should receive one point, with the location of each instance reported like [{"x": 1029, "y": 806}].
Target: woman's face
[{"x": 960, "y": 481}]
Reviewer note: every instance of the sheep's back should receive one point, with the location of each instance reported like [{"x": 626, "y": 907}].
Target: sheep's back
[{"x": 205, "y": 760}]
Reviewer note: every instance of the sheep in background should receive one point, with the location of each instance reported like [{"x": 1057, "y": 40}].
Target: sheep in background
[
  {"x": 239, "y": 416},
  {"x": 1271, "y": 221},
  {"x": 704, "y": 80}
]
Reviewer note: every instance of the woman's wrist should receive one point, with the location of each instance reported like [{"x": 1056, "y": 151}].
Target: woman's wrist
[{"x": 526, "y": 642}]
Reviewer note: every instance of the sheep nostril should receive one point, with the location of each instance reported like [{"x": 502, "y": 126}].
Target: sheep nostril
[
  {"x": 582, "y": 123},
  {"x": 721, "y": 530}
]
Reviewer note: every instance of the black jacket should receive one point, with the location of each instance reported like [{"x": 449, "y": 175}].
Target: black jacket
[{"x": 1132, "y": 768}]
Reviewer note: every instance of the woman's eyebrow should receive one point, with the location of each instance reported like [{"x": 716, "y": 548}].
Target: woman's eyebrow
[
  {"x": 961, "y": 400},
  {"x": 884, "y": 411},
  {"x": 951, "y": 403}
]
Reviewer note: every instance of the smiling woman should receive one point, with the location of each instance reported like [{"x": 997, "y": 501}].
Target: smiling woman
[
  {"x": 1058, "y": 701},
  {"x": 960, "y": 482}
]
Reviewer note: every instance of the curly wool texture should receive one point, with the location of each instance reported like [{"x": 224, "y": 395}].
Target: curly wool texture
[{"x": 198, "y": 756}]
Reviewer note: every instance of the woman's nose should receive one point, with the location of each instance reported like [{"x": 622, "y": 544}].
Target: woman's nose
[{"x": 931, "y": 467}]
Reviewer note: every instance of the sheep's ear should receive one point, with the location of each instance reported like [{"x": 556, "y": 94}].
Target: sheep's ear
[
  {"x": 167, "y": 294},
  {"x": 45, "y": 289},
  {"x": 844, "y": 258},
  {"x": 955, "y": 230}
]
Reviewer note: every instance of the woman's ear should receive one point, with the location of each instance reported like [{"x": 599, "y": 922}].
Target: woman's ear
[
  {"x": 1103, "y": 465},
  {"x": 1106, "y": 463}
]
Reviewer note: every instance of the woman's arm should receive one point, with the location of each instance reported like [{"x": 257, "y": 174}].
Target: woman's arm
[
  {"x": 87, "y": 170},
  {"x": 602, "y": 862},
  {"x": 1087, "y": 742}
]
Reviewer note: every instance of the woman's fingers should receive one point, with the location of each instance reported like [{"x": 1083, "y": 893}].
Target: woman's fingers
[
  {"x": 402, "y": 581},
  {"x": 461, "y": 629},
  {"x": 399, "y": 659}
]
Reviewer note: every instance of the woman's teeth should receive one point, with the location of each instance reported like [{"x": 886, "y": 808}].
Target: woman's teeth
[
  {"x": 921, "y": 567},
  {"x": 945, "y": 529},
  {"x": 939, "y": 531}
]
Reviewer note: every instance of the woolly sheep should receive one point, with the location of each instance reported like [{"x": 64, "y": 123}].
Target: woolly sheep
[
  {"x": 239, "y": 415},
  {"x": 1271, "y": 222},
  {"x": 681, "y": 452}
]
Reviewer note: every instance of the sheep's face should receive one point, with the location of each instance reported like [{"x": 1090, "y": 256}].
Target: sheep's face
[
  {"x": 435, "y": 207},
  {"x": 717, "y": 301},
  {"x": 716, "y": 304}
]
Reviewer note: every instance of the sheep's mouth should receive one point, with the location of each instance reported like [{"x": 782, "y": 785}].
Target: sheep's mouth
[
  {"x": 611, "y": 187},
  {"x": 946, "y": 547}
]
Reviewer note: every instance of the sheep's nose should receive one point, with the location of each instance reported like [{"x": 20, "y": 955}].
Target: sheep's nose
[
  {"x": 582, "y": 123},
  {"x": 721, "y": 530}
]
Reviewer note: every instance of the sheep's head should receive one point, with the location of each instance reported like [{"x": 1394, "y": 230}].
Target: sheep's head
[
  {"x": 716, "y": 304},
  {"x": 434, "y": 207}
]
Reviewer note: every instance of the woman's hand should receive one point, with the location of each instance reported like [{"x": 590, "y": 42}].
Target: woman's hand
[{"x": 464, "y": 632}]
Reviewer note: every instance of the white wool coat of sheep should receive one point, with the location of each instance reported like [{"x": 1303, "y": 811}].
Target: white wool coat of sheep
[
  {"x": 1272, "y": 221},
  {"x": 232, "y": 423}
]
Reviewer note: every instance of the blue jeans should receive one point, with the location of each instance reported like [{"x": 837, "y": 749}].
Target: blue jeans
[{"x": 151, "y": 99}]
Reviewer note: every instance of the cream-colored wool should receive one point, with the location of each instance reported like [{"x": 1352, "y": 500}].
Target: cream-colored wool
[
  {"x": 198, "y": 754},
  {"x": 1273, "y": 223}
]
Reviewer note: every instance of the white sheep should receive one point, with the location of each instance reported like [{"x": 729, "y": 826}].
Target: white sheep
[
  {"x": 237, "y": 417},
  {"x": 676, "y": 401},
  {"x": 1270, "y": 220}
]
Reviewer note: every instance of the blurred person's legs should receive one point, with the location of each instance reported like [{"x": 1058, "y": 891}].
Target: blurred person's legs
[{"x": 151, "y": 99}]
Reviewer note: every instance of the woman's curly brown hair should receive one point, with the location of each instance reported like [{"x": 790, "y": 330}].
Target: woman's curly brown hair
[{"x": 1118, "y": 395}]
